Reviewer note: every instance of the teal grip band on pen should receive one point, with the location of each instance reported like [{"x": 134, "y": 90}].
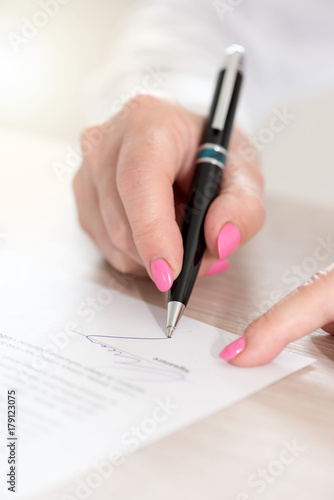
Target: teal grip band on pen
[{"x": 212, "y": 153}]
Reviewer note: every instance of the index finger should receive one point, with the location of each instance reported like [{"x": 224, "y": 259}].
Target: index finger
[
  {"x": 152, "y": 152},
  {"x": 303, "y": 311}
]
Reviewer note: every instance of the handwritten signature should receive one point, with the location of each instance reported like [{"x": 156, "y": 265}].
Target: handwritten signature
[{"x": 132, "y": 366}]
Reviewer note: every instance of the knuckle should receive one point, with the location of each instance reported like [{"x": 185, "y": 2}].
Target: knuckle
[
  {"x": 159, "y": 116},
  {"x": 142, "y": 103},
  {"x": 157, "y": 123},
  {"x": 154, "y": 136},
  {"x": 137, "y": 109}
]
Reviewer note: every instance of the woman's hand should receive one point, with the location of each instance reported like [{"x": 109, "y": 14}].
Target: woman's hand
[
  {"x": 309, "y": 307},
  {"x": 132, "y": 187}
]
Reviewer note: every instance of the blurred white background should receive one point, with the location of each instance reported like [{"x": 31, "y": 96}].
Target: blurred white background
[{"x": 42, "y": 76}]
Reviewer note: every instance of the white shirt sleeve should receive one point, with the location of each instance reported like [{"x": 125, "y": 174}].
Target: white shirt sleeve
[
  {"x": 171, "y": 46},
  {"x": 177, "y": 47}
]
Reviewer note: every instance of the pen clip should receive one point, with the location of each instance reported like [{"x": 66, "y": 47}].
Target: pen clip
[{"x": 233, "y": 64}]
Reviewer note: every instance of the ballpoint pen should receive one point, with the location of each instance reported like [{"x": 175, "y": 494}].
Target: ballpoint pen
[{"x": 206, "y": 182}]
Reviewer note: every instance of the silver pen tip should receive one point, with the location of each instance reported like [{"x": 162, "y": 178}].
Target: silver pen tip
[{"x": 170, "y": 330}]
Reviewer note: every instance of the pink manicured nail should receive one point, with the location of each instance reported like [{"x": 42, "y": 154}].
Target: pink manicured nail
[
  {"x": 162, "y": 274},
  {"x": 228, "y": 240},
  {"x": 218, "y": 267},
  {"x": 232, "y": 350}
]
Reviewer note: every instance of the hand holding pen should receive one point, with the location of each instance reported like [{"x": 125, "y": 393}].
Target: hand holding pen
[{"x": 132, "y": 188}]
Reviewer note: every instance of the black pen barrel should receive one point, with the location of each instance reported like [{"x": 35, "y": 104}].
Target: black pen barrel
[
  {"x": 204, "y": 189},
  {"x": 207, "y": 179}
]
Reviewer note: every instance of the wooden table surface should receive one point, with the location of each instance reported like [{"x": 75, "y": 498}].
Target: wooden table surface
[{"x": 214, "y": 458}]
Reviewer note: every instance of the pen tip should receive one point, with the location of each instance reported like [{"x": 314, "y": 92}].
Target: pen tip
[{"x": 170, "y": 330}]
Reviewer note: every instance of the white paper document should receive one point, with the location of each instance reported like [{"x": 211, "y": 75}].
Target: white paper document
[{"x": 88, "y": 376}]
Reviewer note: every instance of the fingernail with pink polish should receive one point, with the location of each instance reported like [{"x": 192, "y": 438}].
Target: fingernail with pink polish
[
  {"x": 162, "y": 274},
  {"x": 228, "y": 240},
  {"x": 232, "y": 350},
  {"x": 218, "y": 267}
]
